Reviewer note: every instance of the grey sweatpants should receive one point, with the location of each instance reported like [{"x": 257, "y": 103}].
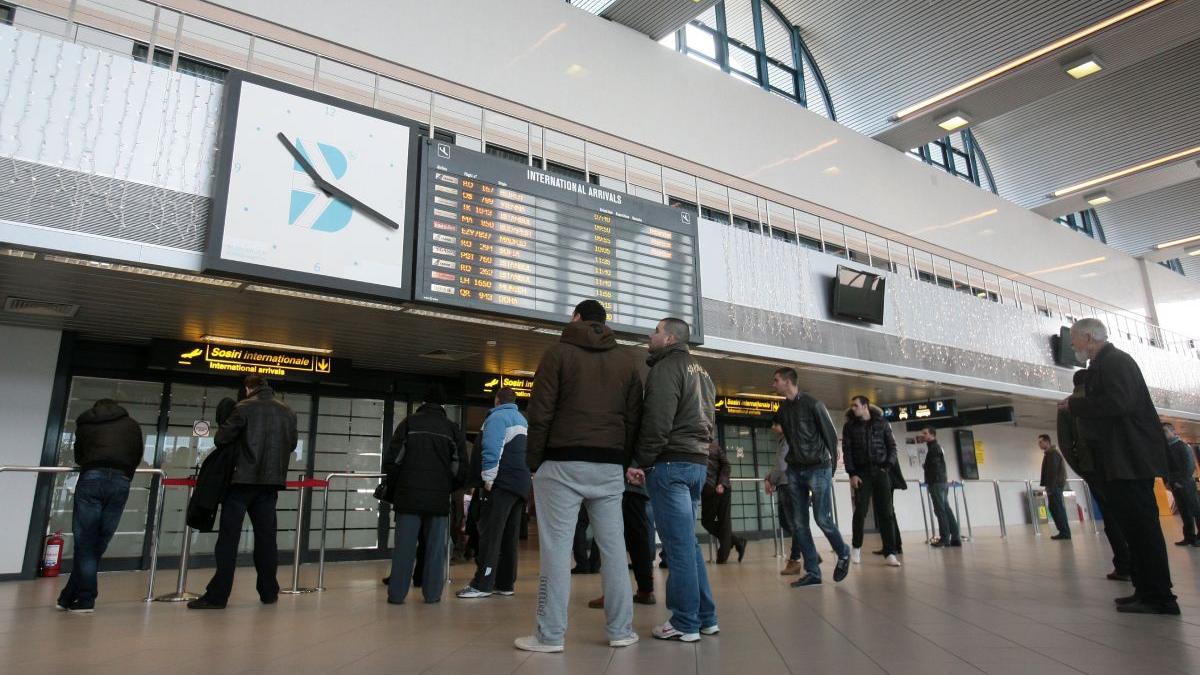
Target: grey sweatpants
[{"x": 558, "y": 489}]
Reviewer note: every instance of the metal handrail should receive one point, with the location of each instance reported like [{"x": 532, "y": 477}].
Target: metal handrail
[
  {"x": 155, "y": 524},
  {"x": 325, "y": 521}
]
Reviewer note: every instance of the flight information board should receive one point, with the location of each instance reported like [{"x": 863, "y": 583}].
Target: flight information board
[{"x": 501, "y": 237}]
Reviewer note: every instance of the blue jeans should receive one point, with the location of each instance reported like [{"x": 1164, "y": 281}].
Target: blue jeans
[
  {"x": 404, "y": 554},
  {"x": 675, "y": 493},
  {"x": 815, "y": 485},
  {"x": 100, "y": 497},
  {"x": 947, "y": 524},
  {"x": 1058, "y": 511}
]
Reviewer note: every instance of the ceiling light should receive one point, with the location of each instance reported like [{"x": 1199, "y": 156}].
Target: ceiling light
[
  {"x": 468, "y": 319},
  {"x": 1185, "y": 240},
  {"x": 1068, "y": 266},
  {"x": 1196, "y": 252},
  {"x": 548, "y": 331},
  {"x": 629, "y": 343},
  {"x": 144, "y": 271},
  {"x": 1097, "y": 198},
  {"x": 18, "y": 253},
  {"x": 1081, "y": 68},
  {"x": 1022, "y": 60},
  {"x": 1125, "y": 172},
  {"x": 522, "y": 373},
  {"x": 709, "y": 355},
  {"x": 305, "y": 295},
  {"x": 954, "y": 121},
  {"x": 239, "y": 342}
]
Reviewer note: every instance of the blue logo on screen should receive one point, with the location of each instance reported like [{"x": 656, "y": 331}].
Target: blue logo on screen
[{"x": 326, "y": 215}]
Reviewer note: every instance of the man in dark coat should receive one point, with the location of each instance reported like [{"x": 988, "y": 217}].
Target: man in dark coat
[
  {"x": 1181, "y": 479},
  {"x": 262, "y": 430},
  {"x": 426, "y": 461},
  {"x": 1054, "y": 480},
  {"x": 716, "y": 501},
  {"x": 938, "y": 482},
  {"x": 1080, "y": 453},
  {"x": 1131, "y": 453},
  {"x": 108, "y": 449},
  {"x": 869, "y": 449}
]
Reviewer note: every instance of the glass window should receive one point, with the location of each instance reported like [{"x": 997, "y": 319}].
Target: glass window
[{"x": 350, "y": 438}]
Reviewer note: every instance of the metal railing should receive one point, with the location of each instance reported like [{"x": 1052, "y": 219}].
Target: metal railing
[
  {"x": 956, "y": 489},
  {"x": 325, "y": 522},
  {"x": 153, "y": 530},
  {"x": 181, "y": 593}
]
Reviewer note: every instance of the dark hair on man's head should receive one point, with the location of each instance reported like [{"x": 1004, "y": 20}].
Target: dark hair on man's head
[
  {"x": 435, "y": 394},
  {"x": 591, "y": 310},
  {"x": 254, "y": 382},
  {"x": 1079, "y": 378},
  {"x": 861, "y": 399},
  {"x": 677, "y": 327},
  {"x": 931, "y": 431},
  {"x": 506, "y": 395},
  {"x": 788, "y": 373},
  {"x": 104, "y": 402},
  {"x": 1044, "y": 437}
]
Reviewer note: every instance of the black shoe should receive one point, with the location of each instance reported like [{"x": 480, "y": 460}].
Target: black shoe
[
  {"x": 806, "y": 580},
  {"x": 1186, "y": 542},
  {"x": 204, "y": 603},
  {"x": 1128, "y": 600},
  {"x": 955, "y": 543},
  {"x": 270, "y": 601},
  {"x": 1196, "y": 543},
  {"x": 1061, "y": 537},
  {"x": 1117, "y": 576},
  {"x": 740, "y": 545},
  {"x": 1169, "y": 607},
  {"x": 395, "y": 602},
  {"x": 78, "y": 607},
  {"x": 387, "y": 580},
  {"x": 842, "y": 568}
]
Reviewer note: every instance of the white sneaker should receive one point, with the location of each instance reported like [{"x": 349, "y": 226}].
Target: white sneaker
[
  {"x": 669, "y": 632},
  {"x": 892, "y": 560},
  {"x": 472, "y": 592},
  {"x": 504, "y": 593},
  {"x": 711, "y": 630},
  {"x": 856, "y": 556},
  {"x": 530, "y": 643},
  {"x": 630, "y": 639}
]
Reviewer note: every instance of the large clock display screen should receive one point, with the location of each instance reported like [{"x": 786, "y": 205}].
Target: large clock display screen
[
  {"x": 502, "y": 237},
  {"x": 313, "y": 190}
]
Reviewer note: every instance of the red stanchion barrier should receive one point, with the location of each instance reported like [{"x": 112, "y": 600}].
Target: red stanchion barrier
[
  {"x": 308, "y": 483},
  {"x": 179, "y": 482},
  {"x": 300, "y": 485}
]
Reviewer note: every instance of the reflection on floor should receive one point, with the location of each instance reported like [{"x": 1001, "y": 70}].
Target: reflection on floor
[{"x": 1026, "y": 605}]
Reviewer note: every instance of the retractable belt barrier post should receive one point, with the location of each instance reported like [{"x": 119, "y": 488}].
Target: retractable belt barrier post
[
  {"x": 302, "y": 486},
  {"x": 325, "y": 518},
  {"x": 155, "y": 524},
  {"x": 181, "y": 593},
  {"x": 1000, "y": 510},
  {"x": 962, "y": 491},
  {"x": 924, "y": 495},
  {"x": 1033, "y": 512}
]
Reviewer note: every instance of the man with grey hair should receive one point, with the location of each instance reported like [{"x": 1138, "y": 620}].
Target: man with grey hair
[{"x": 1117, "y": 405}]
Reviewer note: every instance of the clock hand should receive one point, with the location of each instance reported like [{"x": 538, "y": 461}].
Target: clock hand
[{"x": 330, "y": 189}]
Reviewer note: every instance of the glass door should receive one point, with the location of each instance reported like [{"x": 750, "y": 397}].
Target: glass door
[{"x": 350, "y": 437}]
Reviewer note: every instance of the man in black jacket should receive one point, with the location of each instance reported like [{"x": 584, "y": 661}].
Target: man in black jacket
[
  {"x": 1054, "y": 480},
  {"x": 1132, "y": 452},
  {"x": 1181, "y": 479},
  {"x": 716, "y": 501},
  {"x": 870, "y": 451},
  {"x": 108, "y": 449},
  {"x": 938, "y": 482},
  {"x": 811, "y": 456},
  {"x": 262, "y": 430},
  {"x": 426, "y": 461}
]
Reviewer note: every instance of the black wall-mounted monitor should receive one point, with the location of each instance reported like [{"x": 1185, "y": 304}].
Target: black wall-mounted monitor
[
  {"x": 858, "y": 295},
  {"x": 968, "y": 467},
  {"x": 1061, "y": 346}
]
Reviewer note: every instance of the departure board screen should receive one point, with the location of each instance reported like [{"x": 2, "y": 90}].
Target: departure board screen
[{"x": 502, "y": 237}]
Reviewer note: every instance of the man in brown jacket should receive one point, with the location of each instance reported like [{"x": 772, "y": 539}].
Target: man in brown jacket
[{"x": 583, "y": 420}]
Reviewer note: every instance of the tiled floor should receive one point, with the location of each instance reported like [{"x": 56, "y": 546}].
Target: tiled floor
[{"x": 1027, "y": 605}]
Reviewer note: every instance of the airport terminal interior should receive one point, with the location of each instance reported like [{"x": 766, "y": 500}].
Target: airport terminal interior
[{"x": 963, "y": 212}]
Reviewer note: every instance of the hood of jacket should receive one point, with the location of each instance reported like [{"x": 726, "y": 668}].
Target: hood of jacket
[
  {"x": 100, "y": 413},
  {"x": 876, "y": 413},
  {"x": 663, "y": 353},
  {"x": 590, "y": 335}
]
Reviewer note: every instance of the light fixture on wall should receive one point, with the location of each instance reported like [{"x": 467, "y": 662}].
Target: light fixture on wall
[
  {"x": 241, "y": 342},
  {"x": 1024, "y": 59},
  {"x": 1097, "y": 198},
  {"x": 1136, "y": 168},
  {"x": 954, "y": 121},
  {"x": 1084, "y": 66}
]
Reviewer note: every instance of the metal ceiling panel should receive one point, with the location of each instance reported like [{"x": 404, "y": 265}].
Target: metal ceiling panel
[
  {"x": 1137, "y": 224},
  {"x": 656, "y": 18}
]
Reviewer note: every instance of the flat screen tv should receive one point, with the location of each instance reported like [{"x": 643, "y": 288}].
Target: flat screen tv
[
  {"x": 968, "y": 467},
  {"x": 858, "y": 295},
  {"x": 1061, "y": 346}
]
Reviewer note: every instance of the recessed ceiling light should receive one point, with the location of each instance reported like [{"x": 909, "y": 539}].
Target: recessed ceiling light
[
  {"x": 144, "y": 271},
  {"x": 1125, "y": 172},
  {"x": 1196, "y": 252},
  {"x": 628, "y": 343},
  {"x": 1097, "y": 198},
  {"x": 467, "y": 319},
  {"x": 954, "y": 121},
  {"x": 240, "y": 342},
  {"x": 291, "y": 293},
  {"x": 522, "y": 373},
  {"x": 18, "y": 253},
  {"x": 1082, "y": 67},
  {"x": 1026, "y": 58},
  {"x": 547, "y": 331},
  {"x": 1177, "y": 242}
]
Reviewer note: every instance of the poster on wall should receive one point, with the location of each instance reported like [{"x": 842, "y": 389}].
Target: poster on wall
[
  {"x": 313, "y": 190},
  {"x": 968, "y": 467}
]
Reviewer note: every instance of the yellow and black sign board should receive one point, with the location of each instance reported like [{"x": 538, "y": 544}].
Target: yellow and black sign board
[
  {"x": 485, "y": 384},
  {"x": 744, "y": 406},
  {"x": 240, "y": 361}
]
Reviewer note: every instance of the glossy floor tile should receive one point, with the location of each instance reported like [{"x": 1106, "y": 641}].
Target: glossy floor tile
[{"x": 1023, "y": 605}]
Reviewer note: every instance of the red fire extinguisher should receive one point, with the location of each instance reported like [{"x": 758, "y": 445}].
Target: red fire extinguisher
[{"x": 52, "y": 557}]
